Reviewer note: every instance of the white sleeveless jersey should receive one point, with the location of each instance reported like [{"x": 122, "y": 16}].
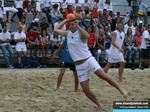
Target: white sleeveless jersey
[
  {"x": 77, "y": 46},
  {"x": 119, "y": 41}
]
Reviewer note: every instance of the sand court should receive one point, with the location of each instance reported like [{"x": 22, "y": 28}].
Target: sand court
[{"x": 33, "y": 90}]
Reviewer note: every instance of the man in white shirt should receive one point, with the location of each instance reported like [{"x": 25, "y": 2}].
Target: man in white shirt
[
  {"x": 145, "y": 47},
  {"x": 129, "y": 25},
  {"x": 115, "y": 53},
  {"x": 46, "y": 6},
  {"x": 6, "y": 47},
  {"x": 20, "y": 39}
]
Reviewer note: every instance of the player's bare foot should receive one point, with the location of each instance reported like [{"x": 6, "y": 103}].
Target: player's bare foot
[{"x": 124, "y": 93}]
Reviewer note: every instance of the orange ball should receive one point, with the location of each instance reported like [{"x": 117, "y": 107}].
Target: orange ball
[{"x": 70, "y": 16}]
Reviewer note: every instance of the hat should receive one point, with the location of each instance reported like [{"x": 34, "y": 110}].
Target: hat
[
  {"x": 36, "y": 20},
  {"x": 140, "y": 22}
]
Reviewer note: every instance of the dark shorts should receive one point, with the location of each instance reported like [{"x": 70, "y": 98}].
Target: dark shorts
[
  {"x": 145, "y": 53},
  {"x": 70, "y": 66}
]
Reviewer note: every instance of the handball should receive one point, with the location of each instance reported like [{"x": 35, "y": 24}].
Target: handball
[{"x": 70, "y": 16}]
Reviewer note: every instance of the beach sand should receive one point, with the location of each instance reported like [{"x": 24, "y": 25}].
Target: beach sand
[{"x": 33, "y": 90}]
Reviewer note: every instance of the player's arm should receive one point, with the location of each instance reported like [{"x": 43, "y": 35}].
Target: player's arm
[
  {"x": 113, "y": 35},
  {"x": 58, "y": 29},
  {"x": 84, "y": 33}
]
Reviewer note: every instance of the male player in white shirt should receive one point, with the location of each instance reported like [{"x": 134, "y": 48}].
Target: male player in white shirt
[
  {"x": 84, "y": 61},
  {"x": 115, "y": 53}
]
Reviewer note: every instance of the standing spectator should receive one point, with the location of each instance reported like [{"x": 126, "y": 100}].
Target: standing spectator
[
  {"x": 129, "y": 25},
  {"x": 145, "y": 51},
  {"x": 19, "y": 7},
  {"x": 20, "y": 39},
  {"x": 130, "y": 46},
  {"x": 9, "y": 7},
  {"x": 55, "y": 14},
  {"x": 2, "y": 14},
  {"x": 6, "y": 47},
  {"x": 138, "y": 40},
  {"x": 107, "y": 5},
  {"x": 91, "y": 41},
  {"x": 46, "y": 6},
  {"x": 33, "y": 41}
]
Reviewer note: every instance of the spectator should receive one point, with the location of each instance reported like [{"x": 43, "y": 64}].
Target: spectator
[
  {"x": 19, "y": 7},
  {"x": 85, "y": 4},
  {"x": 76, "y": 3},
  {"x": 55, "y": 15},
  {"x": 20, "y": 39},
  {"x": 33, "y": 41},
  {"x": 140, "y": 28},
  {"x": 44, "y": 25},
  {"x": 36, "y": 25},
  {"x": 26, "y": 6},
  {"x": 145, "y": 51},
  {"x": 129, "y": 25},
  {"x": 33, "y": 8},
  {"x": 96, "y": 4},
  {"x": 9, "y": 7},
  {"x": 91, "y": 41},
  {"x": 63, "y": 4},
  {"x": 68, "y": 10},
  {"x": 54, "y": 42},
  {"x": 46, "y": 6},
  {"x": 130, "y": 46},
  {"x": 107, "y": 5},
  {"x": 6, "y": 47},
  {"x": 86, "y": 17},
  {"x": 138, "y": 40},
  {"x": 135, "y": 8},
  {"x": 100, "y": 41},
  {"x": 44, "y": 39},
  {"x": 2, "y": 14},
  {"x": 23, "y": 23},
  {"x": 78, "y": 13}
]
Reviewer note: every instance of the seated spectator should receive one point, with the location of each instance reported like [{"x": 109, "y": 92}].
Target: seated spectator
[
  {"x": 54, "y": 42},
  {"x": 86, "y": 17},
  {"x": 100, "y": 43},
  {"x": 44, "y": 25},
  {"x": 138, "y": 40},
  {"x": 55, "y": 14},
  {"x": 20, "y": 39},
  {"x": 91, "y": 41},
  {"x": 33, "y": 41},
  {"x": 33, "y": 8},
  {"x": 111, "y": 20},
  {"x": 63, "y": 5},
  {"x": 140, "y": 28},
  {"x": 107, "y": 5},
  {"x": 36, "y": 25},
  {"x": 19, "y": 7},
  {"x": 2, "y": 14},
  {"x": 23, "y": 23},
  {"x": 86, "y": 3},
  {"x": 6, "y": 47},
  {"x": 9, "y": 7},
  {"x": 130, "y": 46},
  {"x": 26, "y": 7},
  {"x": 76, "y": 3},
  {"x": 129, "y": 25},
  {"x": 46, "y": 6},
  {"x": 78, "y": 13},
  {"x": 44, "y": 41},
  {"x": 96, "y": 3}
]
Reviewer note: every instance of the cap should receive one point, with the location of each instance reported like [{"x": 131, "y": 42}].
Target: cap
[
  {"x": 140, "y": 22},
  {"x": 36, "y": 20}
]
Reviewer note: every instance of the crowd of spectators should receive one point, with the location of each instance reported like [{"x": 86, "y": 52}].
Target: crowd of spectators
[{"x": 97, "y": 17}]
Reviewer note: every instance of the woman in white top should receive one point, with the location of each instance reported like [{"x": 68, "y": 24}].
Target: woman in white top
[
  {"x": 20, "y": 39},
  {"x": 84, "y": 61}
]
